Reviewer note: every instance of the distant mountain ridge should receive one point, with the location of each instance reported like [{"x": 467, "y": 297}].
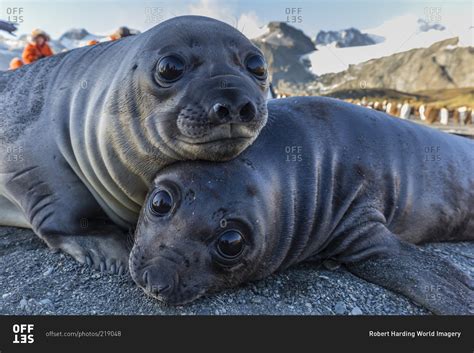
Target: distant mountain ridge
[
  {"x": 78, "y": 37},
  {"x": 350, "y": 37},
  {"x": 75, "y": 34},
  {"x": 425, "y": 26},
  {"x": 442, "y": 65}
]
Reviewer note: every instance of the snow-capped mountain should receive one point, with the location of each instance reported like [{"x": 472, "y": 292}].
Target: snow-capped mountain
[
  {"x": 442, "y": 65},
  {"x": 283, "y": 46},
  {"x": 78, "y": 37},
  {"x": 425, "y": 26},
  {"x": 396, "y": 35},
  {"x": 350, "y": 37}
]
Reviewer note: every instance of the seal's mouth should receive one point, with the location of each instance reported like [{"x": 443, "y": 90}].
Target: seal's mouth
[
  {"x": 174, "y": 300},
  {"x": 222, "y": 133}
]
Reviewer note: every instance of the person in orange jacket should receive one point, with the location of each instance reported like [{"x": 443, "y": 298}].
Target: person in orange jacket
[
  {"x": 15, "y": 64},
  {"x": 38, "y": 48},
  {"x": 92, "y": 42}
]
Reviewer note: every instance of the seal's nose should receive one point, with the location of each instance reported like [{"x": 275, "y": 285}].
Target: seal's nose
[
  {"x": 221, "y": 113},
  {"x": 156, "y": 283},
  {"x": 160, "y": 288}
]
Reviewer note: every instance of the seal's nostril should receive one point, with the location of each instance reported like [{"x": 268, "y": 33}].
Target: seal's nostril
[
  {"x": 221, "y": 111},
  {"x": 145, "y": 278},
  {"x": 247, "y": 112}
]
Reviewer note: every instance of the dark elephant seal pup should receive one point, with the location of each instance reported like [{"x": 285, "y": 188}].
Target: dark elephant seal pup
[
  {"x": 325, "y": 180},
  {"x": 85, "y": 132}
]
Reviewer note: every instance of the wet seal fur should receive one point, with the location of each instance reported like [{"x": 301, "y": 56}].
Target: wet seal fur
[
  {"x": 83, "y": 133},
  {"x": 325, "y": 180}
]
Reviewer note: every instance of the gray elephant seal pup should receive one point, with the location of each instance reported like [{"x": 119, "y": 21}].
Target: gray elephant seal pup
[
  {"x": 325, "y": 180},
  {"x": 84, "y": 133}
]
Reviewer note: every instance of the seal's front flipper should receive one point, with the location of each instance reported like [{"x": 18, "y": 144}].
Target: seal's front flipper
[
  {"x": 103, "y": 250},
  {"x": 427, "y": 279},
  {"x": 63, "y": 213}
]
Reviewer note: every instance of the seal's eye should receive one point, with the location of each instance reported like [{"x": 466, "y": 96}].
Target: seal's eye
[
  {"x": 257, "y": 66},
  {"x": 161, "y": 203},
  {"x": 230, "y": 244},
  {"x": 170, "y": 68}
]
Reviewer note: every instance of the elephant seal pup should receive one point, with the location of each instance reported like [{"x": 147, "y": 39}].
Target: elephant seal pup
[
  {"x": 325, "y": 180},
  {"x": 84, "y": 133}
]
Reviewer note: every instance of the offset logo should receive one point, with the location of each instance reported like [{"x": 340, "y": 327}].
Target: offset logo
[
  {"x": 23, "y": 333},
  {"x": 154, "y": 15},
  {"x": 294, "y": 153},
  {"x": 294, "y": 14},
  {"x": 15, "y": 14}
]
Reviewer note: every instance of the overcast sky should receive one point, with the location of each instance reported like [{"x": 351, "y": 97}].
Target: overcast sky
[{"x": 101, "y": 17}]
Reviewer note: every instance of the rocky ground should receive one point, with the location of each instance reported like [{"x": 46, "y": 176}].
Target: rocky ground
[{"x": 36, "y": 281}]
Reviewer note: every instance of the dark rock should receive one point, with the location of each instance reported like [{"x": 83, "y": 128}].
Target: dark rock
[{"x": 283, "y": 47}]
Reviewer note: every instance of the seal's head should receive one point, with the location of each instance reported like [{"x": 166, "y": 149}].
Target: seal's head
[
  {"x": 204, "y": 227},
  {"x": 204, "y": 85}
]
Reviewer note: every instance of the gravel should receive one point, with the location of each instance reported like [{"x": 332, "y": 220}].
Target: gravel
[{"x": 38, "y": 281}]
